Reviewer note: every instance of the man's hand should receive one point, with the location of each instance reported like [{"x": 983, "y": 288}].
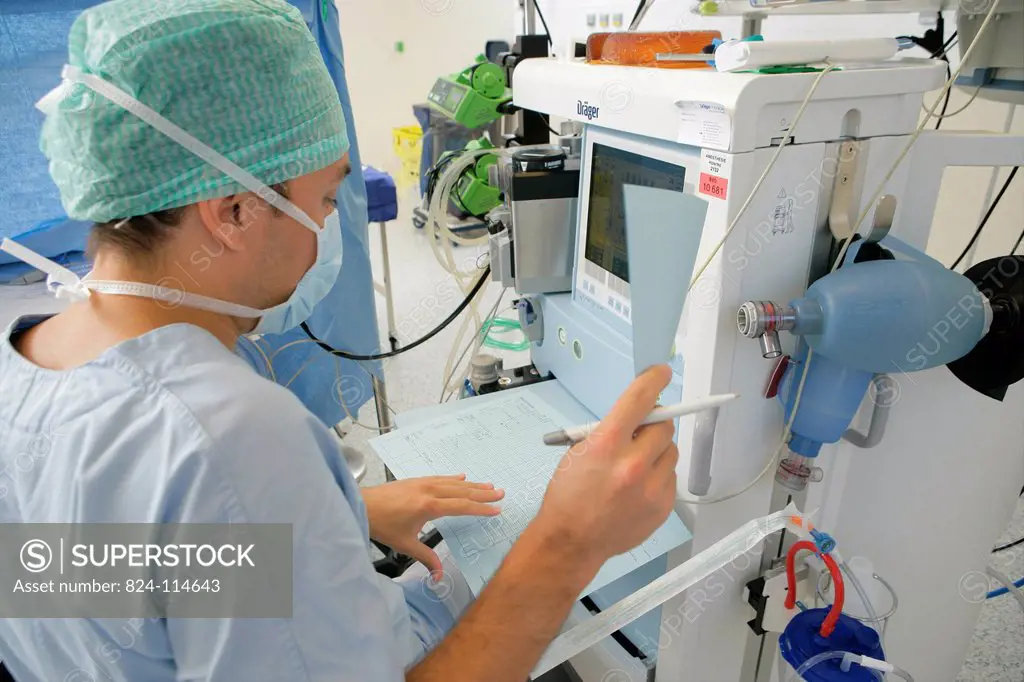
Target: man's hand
[
  {"x": 610, "y": 493},
  {"x": 613, "y": 490},
  {"x": 398, "y": 511}
]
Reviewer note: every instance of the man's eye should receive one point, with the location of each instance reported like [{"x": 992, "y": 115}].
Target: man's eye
[{"x": 333, "y": 201}]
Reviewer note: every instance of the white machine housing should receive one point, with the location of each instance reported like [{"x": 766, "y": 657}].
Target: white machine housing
[
  {"x": 886, "y": 504},
  {"x": 997, "y": 65}
]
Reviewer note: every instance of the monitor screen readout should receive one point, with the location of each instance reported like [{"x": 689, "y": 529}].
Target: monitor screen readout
[{"x": 611, "y": 169}]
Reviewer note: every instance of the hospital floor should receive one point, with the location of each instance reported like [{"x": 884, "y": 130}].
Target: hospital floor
[{"x": 424, "y": 294}]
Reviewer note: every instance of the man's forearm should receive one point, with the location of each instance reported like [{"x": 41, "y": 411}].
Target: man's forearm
[{"x": 503, "y": 634}]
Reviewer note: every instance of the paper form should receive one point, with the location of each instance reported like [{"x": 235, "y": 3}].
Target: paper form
[{"x": 500, "y": 441}]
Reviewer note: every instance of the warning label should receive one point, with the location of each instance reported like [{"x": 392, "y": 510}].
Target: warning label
[
  {"x": 713, "y": 186},
  {"x": 782, "y": 216},
  {"x": 715, "y": 163},
  {"x": 716, "y": 167}
]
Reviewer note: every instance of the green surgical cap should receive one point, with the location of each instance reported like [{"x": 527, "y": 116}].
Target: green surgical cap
[{"x": 245, "y": 77}]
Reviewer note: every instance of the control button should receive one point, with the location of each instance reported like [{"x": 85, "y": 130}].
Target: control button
[
  {"x": 563, "y": 336},
  {"x": 618, "y": 307},
  {"x": 625, "y": 309},
  {"x": 577, "y": 349},
  {"x": 611, "y": 302}
]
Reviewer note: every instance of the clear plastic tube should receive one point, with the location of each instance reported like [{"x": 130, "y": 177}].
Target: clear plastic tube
[
  {"x": 874, "y": 621},
  {"x": 622, "y": 613},
  {"x": 505, "y": 345},
  {"x": 441, "y": 238},
  {"x": 900, "y": 672},
  {"x": 876, "y": 667},
  {"x": 501, "y": 325},
  {"x": 1010, "y": 586},
  {"x": 813, "y": 661},
  {"x": 852, "y": 578},
  {"x": 474, "y": 345}
]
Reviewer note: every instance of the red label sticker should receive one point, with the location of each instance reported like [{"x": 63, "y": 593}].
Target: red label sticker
[{"x": 714, "y": 186}]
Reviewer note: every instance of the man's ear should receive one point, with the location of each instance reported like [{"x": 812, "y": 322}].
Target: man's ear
[{"x": 227, "y": 218}]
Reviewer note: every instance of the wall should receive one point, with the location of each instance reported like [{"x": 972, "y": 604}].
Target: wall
[
  {"x": 439, "y": 36},
  {"x": 961, "y": 202},
  {"x": 443, "y": 36}
]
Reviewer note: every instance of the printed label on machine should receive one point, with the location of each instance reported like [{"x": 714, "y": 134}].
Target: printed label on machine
[
  {"x": 715, "y": 169},
  {"x": 704, "y": 124},
  {"x": 713, "y": 186}
]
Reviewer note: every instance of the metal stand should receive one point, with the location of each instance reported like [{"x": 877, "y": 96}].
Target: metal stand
[
  {"x": 530, "y": 17},
  {"x": 385, "y": 286},
  {"x": 380, "y": 402}
]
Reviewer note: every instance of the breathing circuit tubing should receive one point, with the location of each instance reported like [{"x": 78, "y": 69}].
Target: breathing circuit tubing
[
  {"x": 849, "y": 659},
  {"x": 471, "y": 296},
  {"x": 1002, "y": 590},
  {"x": 829, "y": 625}
]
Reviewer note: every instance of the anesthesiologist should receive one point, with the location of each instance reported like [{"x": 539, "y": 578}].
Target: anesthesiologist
[{"x": 206, "y": 141}]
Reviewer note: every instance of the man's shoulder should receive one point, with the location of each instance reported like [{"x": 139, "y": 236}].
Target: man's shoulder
[
  {"x": 210, "y": 380},
  {"x": 200, "y": 393}
]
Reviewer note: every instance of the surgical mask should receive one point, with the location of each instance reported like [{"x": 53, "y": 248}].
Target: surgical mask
[{"x": 311, "y": 288}]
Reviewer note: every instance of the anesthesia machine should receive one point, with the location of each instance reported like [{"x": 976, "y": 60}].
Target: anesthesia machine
[{"x": 760, "y": 225}]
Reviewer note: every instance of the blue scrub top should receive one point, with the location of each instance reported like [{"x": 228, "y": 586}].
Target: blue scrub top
[
  {"x": 172, "y": 427},
  {"x": 347, "y": 317}
]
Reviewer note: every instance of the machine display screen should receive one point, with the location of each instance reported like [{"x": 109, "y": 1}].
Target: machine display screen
[
  {"x": 455, "y": 95},
  {"x": 610, "y": 169},
  {"x": 447, "y": 95}
]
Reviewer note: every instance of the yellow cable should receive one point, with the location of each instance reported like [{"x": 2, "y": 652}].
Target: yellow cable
[
  {"x": 707, "y": 263},
  {"x": 764, "y": 176},
  {"x": 270, "y": 366},
  {"x": 961, "y": 110}
]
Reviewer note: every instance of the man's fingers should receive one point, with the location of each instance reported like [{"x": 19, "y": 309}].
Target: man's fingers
[
  {"x": 464, "y": 507},
  {"x": 652, "y": 440},
  {"x": 438, "y": 483},
  {"x": 425, "y": 556},
  {"x": 666, "y": 461},
  {"x": 636, "y": 403},
  {"x": 468, "y": 492},
  {"x": 663, "y": 476},
  {"x": 458, "y": 479},
  {"x": 442, "y": 479}
]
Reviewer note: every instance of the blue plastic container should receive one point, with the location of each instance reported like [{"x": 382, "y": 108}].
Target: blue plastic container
[
  {"x": 891, "y": 316},
  {"x": 832, "y": 394},
  {"x": 802, "y": 641}
]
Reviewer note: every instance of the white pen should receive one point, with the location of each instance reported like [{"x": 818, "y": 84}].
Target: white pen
[{"x": 659, "y": 414}]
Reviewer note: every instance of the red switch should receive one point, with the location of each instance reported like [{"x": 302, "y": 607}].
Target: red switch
[{"x": 776, "y": 376}]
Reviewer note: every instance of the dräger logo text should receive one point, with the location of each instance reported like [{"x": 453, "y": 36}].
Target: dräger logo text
[{"x": 584, "y": 108}]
